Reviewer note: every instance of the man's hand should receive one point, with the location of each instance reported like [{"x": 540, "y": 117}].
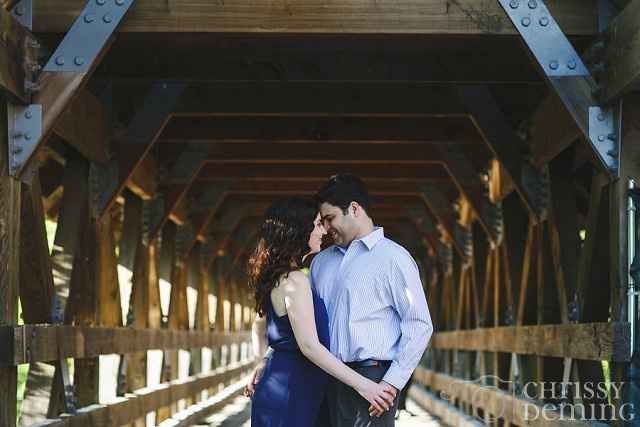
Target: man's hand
[
  {"x": 250, "y": 388},
  {"x": 391, "y": 389}
]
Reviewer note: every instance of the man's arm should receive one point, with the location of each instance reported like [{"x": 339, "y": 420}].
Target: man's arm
[{"x": 415, "y": 321}]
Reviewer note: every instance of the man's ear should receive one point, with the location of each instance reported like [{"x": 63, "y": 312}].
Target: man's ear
[{"x": 355, "y": 208}]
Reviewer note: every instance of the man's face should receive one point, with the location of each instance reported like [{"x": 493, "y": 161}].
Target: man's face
[{"x": 342, "y": 228}]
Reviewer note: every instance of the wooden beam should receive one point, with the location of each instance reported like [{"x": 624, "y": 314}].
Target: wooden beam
[
  {"x": 501, "y": 139},
  {"x": 42, "y": 343},
  {"x": 444, "y": 410},
  {"x": 83, "y": 124},
  {"x": 472, "y": 17},
  {"x": 622, "y": 53},
  {"x": 142, "y": 181},
  {"x": 588, "y": 341},
  {"x": 17, "y": 53},
  {"x": 492, "y": 400},
  {"x": 141, "y": 134},
  {"x": 140, "y": 402},
  {"x": 9, "y": 267}
]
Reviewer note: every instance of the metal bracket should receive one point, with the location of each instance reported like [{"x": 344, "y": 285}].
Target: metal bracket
[
  {"x": 604, "y": 133},
  {"x": 88, "y": 35},
  {"x": 545, "y": 38},
  {"x": 25, "y": 129},
  {"x": 22, "y": 12},
  {"x": 152, "y": 212}
]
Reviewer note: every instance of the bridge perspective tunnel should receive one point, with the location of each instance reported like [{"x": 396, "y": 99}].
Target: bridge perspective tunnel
[{"x": 144, "y": 140}]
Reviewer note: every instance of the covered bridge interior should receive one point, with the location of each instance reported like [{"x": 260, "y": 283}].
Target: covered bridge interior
[{"x": 141, "y": 141}]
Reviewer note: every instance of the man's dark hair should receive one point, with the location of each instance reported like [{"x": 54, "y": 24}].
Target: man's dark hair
[{"x": 342, "y": 189}]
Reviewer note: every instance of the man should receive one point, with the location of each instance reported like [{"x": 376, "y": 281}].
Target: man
[{"x": 379, "y": 320}]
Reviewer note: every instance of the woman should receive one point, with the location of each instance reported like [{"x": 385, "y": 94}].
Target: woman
[{"x": 293, "y": 384}]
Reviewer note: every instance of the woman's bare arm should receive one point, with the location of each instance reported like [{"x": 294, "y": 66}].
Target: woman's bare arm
[{"x": 299, "y": 304}]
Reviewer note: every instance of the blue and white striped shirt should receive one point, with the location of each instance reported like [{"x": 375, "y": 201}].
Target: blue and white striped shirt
[{"x": 376, "y": 304}]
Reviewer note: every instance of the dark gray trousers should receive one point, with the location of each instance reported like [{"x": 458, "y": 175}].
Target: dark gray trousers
[{"x": 344, "y": 407}]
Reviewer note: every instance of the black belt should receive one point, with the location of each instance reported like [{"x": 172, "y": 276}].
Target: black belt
[{"x": 368, "y": 362}]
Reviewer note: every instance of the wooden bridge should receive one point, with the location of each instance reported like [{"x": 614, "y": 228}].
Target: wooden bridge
[{"x": 141, "y": 140}]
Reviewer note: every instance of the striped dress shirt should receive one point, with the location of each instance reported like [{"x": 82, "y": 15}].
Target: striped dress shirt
[{"x": 376, "y": 305}]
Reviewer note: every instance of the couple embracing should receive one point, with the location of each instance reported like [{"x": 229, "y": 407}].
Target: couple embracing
[{"x": 345, "y": 336}]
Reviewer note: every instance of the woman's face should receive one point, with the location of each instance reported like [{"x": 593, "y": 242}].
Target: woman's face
[{"x": 315, "y": 239}]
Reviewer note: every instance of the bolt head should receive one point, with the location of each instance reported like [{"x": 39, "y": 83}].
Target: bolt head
[
  {"x": 533, "y": 4},
  {"x": 514, "y": 4},
  {"x": 572, "y": 64},
  {"x": 601, "y": 117},
  {"x": 89, "y": 18},
  {"x": 601, "y": 138},
  {"x": 60, "y": 60},
  {"x": 553, "y": 65},
  {"x": 101, "y": 2},
  {"x": 27, "y": 136},
  {"x": 19, "y": 10},
  {"x": 544, "y": 21},
  {"x": 526, "y": 21},
  {"x": 78, "y": 60},
  {"x": 17, "y": 150},
  {"x": 28, "y": 114},
  {"x": 107, "y": 18},
  {"x": 119, "y": 2}
]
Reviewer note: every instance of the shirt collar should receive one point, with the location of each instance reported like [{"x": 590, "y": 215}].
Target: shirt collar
[{"x": 370, "y": 240}]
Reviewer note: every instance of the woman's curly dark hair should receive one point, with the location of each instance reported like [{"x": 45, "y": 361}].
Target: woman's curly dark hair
[{"x": 282, "y": 243}]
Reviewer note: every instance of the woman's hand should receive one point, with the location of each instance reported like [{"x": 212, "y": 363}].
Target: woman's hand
[
  {"x": 250, "y": 388},
  {"x": 380, "y": 396}
]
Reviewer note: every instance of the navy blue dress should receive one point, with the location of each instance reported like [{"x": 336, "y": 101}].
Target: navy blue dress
[{"x": 292, "y": 388}]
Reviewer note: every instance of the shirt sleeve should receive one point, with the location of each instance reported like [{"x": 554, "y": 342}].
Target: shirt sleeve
[{"x": 415, "y": 320}]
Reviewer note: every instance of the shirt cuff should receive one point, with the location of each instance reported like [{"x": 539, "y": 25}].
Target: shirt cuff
[{"x": 396, "y": 377}]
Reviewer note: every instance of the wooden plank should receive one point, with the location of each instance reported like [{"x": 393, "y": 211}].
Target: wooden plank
[
  {"x": 622, "y": 54},
  {"x": 314, "y": 16},
  {"x": 589, "y": 341},
  {"x": 82, "y": 342},
  {"x": 445, "y": 411},
  {"x": 36, "y": 279},
  {"x": 498, "y": 403},
  {"x": 139, "y": 403},
  {"x": 15, "y": 52},
  {"x": 9, "y": 267},
  {"x": 83, "y": 124},
  {"x": 142, "y": 181}
]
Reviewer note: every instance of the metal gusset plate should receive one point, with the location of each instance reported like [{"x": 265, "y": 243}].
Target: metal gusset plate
[
  {"x": 604, "y": 133},
  {"x": 547, "y": 42},
  {"x": 25, "y": 129},
  {"x": 88, "y": 35},
  {"x": 22, "y": 11}
]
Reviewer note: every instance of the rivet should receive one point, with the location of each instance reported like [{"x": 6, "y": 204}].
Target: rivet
[
  {"x": 572, "y": 64},
  {"x": 601, "y": 117},
  {"x": 119, "y": 2},
  {"x": 553, "y": 65},
  {"x": 17, "y": 150},
  {"x": 526, "y": 21},
  {"x": 601, "y": 138},
  {"x": 28, "y": 114},
  {"x": 612, "y": 136},
  {"x": 27, "y": 136},
  {"x": 544, "y": 21},
  {"x": 514, "y": 4},
  {"x": 89, "y": 18},
  {"x": 533, "y": 4},
  {"x": 101, "y": 2},
  {"x": 20, "y": 10},
  {"x": 107, "y": 18},
  {"x": 60, "y": 60},
  {"x": 78, "y": 60}
]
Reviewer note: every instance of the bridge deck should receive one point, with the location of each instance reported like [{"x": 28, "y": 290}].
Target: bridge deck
[{"x": 238, "y": 413}]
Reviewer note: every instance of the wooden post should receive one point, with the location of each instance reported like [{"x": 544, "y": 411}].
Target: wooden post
[{"x": 9, "y": 267}]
